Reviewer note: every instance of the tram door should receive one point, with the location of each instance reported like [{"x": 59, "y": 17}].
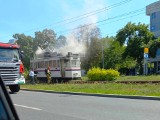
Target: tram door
[{"x": 62, "y": 68}]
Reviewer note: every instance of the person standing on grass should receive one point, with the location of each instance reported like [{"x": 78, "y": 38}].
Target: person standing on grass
[{"x": 31, "y": 75}]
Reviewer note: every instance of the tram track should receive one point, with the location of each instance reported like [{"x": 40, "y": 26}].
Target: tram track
[{"x": 123, "y": 82}]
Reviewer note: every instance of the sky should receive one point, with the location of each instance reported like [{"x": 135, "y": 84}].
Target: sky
[{"x": 30, "y": 16}]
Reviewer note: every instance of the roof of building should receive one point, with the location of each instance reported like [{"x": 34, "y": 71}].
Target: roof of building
[{"x": 153, "y": 7}]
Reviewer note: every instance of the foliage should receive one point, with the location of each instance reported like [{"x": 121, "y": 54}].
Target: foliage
[
  {"x": 135, "y": 37},
  {"x": 84, "y": 33},
  {"x": 128, "y": 63},
  {"x": 45, "y": 39},
  {"x": 113, "y": 55},
  {"x": 125, "y": 51},
  {"x": 90, "y": 37},
  {"x": 102, "y": 74},
  {"x": 154, "y": 45},
  {"x": 94, "y": 52},
  {"x": 128, "y": 67},
  {"x": 26, "y": 44},
  {"x": 111, "y": 74},
  {"x": 26, "y": 74},
  {"x": 60, "y": 41}
]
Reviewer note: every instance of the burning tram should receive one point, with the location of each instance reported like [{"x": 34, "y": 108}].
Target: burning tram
[{"x": 62, "y": 67}]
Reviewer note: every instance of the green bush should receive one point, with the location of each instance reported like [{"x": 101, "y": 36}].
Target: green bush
[
  {"x": 102, "y": 74},
  {"x": 111, "y": 74},
  {"x": 26, "y": 74}
]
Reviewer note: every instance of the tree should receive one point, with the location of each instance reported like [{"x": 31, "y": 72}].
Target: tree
[
  {"x": 154, "y": 46},
  {"x": 27, "y": 45},
  {"x": 113, "y": 55},
  {"x": 127, "y": 66},
  {"x": 84, "y": 33},
  {"x": 45, "y": 39},
  {"x": 93, "y": 55},
  {"x": 60, "y": 41},
  {"x": 89, "y": 36},
  {"x": 135, "y": 37},
  {"x": 95, "y": 52}
]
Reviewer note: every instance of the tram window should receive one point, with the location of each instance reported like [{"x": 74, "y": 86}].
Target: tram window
[
  {"x": 54, "y": 63},
  {"x": 46, "y": 63},
  {"x": 42, "y": 64},
  {"x": 38, "y": 65},
  {"x": 35, "y": 65},
  {"x": 58, "y": 63},
  {"x": 75, "y": 63},
  {"x": 50, "y": 63},
  {"x": 67, "y": 64}
]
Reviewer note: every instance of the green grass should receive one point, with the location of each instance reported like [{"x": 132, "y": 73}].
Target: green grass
[
  {"x": 107, "y": 88},
  {"x": 131, "y": 78},
  {"x": 139, "y": 78}
]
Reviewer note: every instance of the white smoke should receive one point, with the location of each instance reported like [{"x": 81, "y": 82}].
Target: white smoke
[
  {"x": 73, "y": 46},
  {"x": 39, "y": 51}
]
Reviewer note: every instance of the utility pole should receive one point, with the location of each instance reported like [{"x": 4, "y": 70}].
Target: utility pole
[{"x": 102, "y": 58}]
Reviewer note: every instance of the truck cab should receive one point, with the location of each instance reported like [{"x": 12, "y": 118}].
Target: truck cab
[{"x": 11, "y": 66}]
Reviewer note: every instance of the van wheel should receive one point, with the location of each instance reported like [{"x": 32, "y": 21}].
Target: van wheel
[{"x": 14, "y": 88}]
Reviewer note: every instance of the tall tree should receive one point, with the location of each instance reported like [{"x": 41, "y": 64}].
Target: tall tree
[
  {"x": 60, "y": 41},
  {"x": 45, "y": 39},
  {"x": 95, "y": 51},
  {"x": 92, "y": 57},
  {"x": 27, "y": 45},
  {"x": 84, "y": 33},
  {"x": 113, "y": 55},
  {"x": 90, "y": 37},
  {"x": 135, "y": 37}
]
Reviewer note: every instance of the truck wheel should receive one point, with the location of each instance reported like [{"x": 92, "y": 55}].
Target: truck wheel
[{"x": 14, "y": 88}]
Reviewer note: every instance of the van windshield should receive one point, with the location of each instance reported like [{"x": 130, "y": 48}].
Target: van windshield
[{"x": 9, "y": 54}]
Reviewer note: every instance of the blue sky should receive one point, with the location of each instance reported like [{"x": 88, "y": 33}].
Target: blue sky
[{"x": 29, "y": 16}]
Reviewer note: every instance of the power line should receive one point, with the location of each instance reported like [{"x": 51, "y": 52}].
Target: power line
[
  {"x": 124, "y": 18},
  {"x": 77, "y": 18},
  {"x": 82, "y": 16},
  {"x": 122, "y": 15},
  {"x": 120, "y": 20}
]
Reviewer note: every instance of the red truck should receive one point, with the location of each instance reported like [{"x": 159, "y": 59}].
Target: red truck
[{"x": 11, "y": 66}]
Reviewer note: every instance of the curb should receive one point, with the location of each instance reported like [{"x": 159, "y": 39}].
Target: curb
[{"x": 99, "y": 95}]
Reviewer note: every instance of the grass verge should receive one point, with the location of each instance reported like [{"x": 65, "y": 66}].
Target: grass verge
[
  {"x": 107, "y": 88},
  {"x": 134, "y": 78},
  {"x": 139, "y": 78}
]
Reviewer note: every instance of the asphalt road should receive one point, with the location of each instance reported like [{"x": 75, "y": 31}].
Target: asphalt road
[{"x": 52, "y": 106}]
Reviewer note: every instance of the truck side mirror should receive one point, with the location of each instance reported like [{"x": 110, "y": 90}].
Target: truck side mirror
[{"x": 22, "y": 55}]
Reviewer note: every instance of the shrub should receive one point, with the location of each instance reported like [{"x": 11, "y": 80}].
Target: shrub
[
  {"x": 102, "y": 74},
  {"x": 94, "y": 74},
  {"x": 111, "y": 74},
  {"x": 26, "y": 74}
]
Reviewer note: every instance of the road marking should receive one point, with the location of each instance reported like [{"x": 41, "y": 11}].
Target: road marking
[{"x": 27, "y": 107}]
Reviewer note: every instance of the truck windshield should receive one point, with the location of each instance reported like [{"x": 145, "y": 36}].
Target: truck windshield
[{"x": 9, "y": 54}]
